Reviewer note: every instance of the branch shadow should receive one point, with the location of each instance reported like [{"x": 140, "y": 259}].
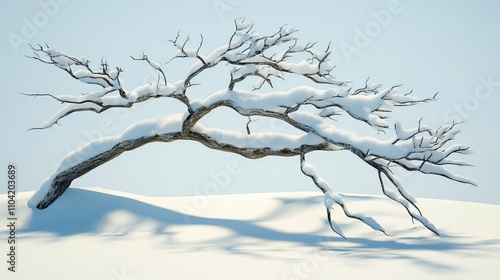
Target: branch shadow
[{"x": 82, "y": 211}]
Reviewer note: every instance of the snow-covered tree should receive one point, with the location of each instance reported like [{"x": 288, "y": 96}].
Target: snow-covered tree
[{"x": 264, "y": 59}]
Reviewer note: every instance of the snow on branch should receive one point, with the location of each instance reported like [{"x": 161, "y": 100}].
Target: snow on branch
[
  {"x": 79, "y": 68},
  {"x": 155, "y": 65},
  {"x": 332, "y": 199},
  {"x": 263, "y": 59}
]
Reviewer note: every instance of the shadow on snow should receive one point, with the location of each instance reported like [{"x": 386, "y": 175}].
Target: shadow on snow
[{"x": 82, "y": 211}]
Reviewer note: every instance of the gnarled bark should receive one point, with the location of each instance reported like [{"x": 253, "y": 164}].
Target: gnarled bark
[{"x": 308, "y": 109}]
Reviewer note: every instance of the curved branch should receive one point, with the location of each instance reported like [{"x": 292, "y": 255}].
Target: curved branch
[
  {"x": 57, "y": 184},
  {"x": 405, "y": 203},
  {"x": 156, "y": 66},
  {"x": 307, "y": 109},
  {"x": 332, "y": 199}
]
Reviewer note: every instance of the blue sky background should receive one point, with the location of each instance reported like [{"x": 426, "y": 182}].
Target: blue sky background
[{"x": 449, "y": 47}]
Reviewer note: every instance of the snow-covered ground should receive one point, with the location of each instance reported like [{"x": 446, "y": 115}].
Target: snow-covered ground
[{"x": 102, "y": 234}]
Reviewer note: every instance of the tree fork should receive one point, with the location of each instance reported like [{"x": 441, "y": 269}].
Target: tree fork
[
  {"x": 309, "y": 109},
  {"x": 64, "y": 179}
]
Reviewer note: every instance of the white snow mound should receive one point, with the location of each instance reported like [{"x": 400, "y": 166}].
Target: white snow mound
[{"x": 102, "y": 234}]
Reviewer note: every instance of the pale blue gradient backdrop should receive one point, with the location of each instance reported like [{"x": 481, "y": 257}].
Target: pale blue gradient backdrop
[{"x": 428, "y": 46}]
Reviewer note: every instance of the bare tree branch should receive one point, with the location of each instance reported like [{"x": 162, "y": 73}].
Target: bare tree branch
[
  {"x": 249, "y": 56},
  {"x": 155, "y": 65}
]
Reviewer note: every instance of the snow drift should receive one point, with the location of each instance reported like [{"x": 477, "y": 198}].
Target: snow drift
[{"x": 102, "y": 234}]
